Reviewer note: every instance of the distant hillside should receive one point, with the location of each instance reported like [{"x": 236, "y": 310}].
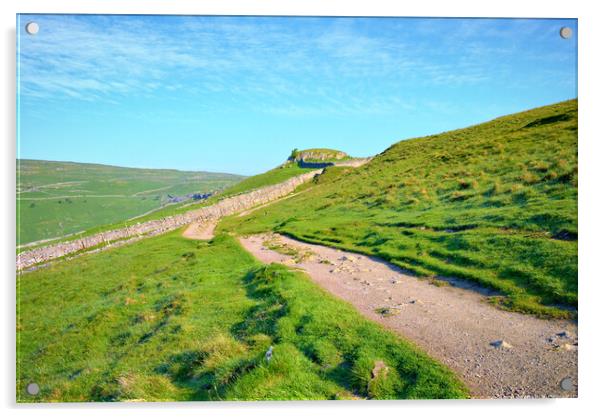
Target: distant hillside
[
  {"x": 283, "y": 172},
  {"x": 494, "y": 203},
  {"x": 58, "y": 198}
]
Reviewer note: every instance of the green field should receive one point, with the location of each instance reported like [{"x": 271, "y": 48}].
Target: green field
[
  {"x": 271, "y": 177},
  {"x": 494, "y": 203},
  {"x": 58, "y": 198},
  {"x": 193, "y": 322}
]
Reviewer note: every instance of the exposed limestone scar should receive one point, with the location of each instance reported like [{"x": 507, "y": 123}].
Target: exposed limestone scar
[{"x": 225, "y": 207}]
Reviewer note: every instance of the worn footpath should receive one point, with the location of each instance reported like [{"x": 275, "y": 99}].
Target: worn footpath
[{"x": 499, "y": 354}]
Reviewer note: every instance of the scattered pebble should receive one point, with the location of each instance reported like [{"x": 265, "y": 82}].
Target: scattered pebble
[
  {"x": 387, "y": 311},
  {"x": 269, "y": 353},
  {"x": 379, "y": 367},
  {"x": 348, "y": 258},
  {"x": 501, "y": 344},
  {"x": 568, "y": 346}
]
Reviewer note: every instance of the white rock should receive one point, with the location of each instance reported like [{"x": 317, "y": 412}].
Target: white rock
[{"x": 568, "y": 346}]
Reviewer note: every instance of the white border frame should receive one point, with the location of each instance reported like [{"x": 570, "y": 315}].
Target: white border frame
[{"x": 590, "y": 207}]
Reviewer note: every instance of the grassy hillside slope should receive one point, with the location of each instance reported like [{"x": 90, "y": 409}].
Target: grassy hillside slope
[
  {"x": 57, "y": 198},
  {"x": 271, "y": 177},
  {"x": 494, "y": 203},
  {"x": 175, "y": 319}
]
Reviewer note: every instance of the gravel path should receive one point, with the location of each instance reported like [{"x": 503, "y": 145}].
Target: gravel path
[
  {"x": 200, "y": 230},
  {"x": 451, "y": 323}
]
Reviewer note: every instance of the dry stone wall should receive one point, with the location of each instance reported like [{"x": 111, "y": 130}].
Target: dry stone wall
[
  {"x": 356, "y": 162},
  {"x": 224, "y": 207}
]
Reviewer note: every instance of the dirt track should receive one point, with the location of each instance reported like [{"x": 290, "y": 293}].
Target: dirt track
[
  {"x": 200, "y": 231},
  {"x": 453, "y": 324}
]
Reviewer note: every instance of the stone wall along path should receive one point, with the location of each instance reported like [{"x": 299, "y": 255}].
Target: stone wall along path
[{"x": 225, "y": 207}]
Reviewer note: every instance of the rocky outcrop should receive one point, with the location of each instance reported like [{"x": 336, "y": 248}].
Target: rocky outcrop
[
  {"x": 309, "y": 155},
  {"x": 224, "y": 207}
]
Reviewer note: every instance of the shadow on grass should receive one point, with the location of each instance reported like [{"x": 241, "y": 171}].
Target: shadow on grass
[
  {"x": 197, "y": 372},
  {"x": 190, "y": 370},
  {"x": 265, "y": 319}
]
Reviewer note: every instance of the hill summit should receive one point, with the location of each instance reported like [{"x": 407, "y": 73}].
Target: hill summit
[{"x": 317, "y": 154}]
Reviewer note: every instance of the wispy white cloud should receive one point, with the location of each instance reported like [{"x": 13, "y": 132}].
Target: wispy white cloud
[{"x": 287, "y": 65}]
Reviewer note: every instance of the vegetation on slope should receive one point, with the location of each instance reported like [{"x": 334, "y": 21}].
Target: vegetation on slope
[
  {"x": 271, "y": 177},
  {"x": 58, "y": 198},
  {"x": 494, "y": 203},
  {"x": 175, "y": 319}
]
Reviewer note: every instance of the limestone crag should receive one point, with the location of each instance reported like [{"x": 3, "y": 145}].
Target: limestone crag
[
  {"x": 318, "y": 155},
  {"x": 225, "y": 207}
]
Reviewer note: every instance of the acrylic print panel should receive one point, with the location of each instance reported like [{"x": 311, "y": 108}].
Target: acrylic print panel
[{"x": 292, "y": 208}]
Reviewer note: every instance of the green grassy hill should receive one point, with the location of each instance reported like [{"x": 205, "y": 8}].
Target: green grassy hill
[
  {"x": 58, "y": 198},
  {"x": 193, "y": 322},
  {"x": 271, "y": 177},
  {"x": 494, "y": 203}
]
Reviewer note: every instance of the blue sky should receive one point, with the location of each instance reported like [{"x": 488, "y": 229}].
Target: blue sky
[{"x": 236, "y": 94}]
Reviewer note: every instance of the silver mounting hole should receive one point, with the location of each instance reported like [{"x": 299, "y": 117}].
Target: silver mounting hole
[
  {"x": 566, "y": 384},
  {"x": 566, "y": 32},
  {"x": 33, "y": 389},
  {"x": 32, "y": 28}
]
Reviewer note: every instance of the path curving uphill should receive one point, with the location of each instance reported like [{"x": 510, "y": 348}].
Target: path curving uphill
[{"x": 499, "y": 354}]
